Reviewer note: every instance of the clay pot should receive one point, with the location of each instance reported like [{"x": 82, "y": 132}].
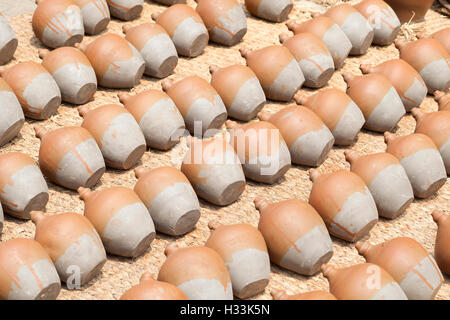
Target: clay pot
[
  {"x": 443, "y": 100},
  {"x": 307, "y": 137},
  {"x": 35, "y": 89},
  {"x": 95, "y": 15},
  {"x": 158, "y": 117},
  {"x": 73, "y": 245},
  {"x": 2, "y": 218},
  {"x": 58, "y": 23},
  {"x": 120, "y": 218},
  {"x": 214, "y": 170},
  {"x": 442, "y": 36},
  {"x": 8, "y": 41},
  {"x": 70, "y": 157},
  {"x": 170, "y": 2},
  {"x": 28, "y": 272},
  {"x": 72, "y": 72},
  {"x": 261, "y": 149},
  {"x": 277, "y": 70},
  {"x": 410, "y": 10},
  {"x": 365, "y": 281},
  {"x": 408, "y": 263},
  {"x": 312, "y": 295},
  {"x": 150, "y": 289},
  {"x": 296, "y": 235},
  {"x": 345, "y": 204},
  {"x": 441, "y": 251},
  {"x": 155, "y": 46},
  {"x": 199, "y": 103},
  {"x": 12, "y": 118},
  {"x": 116, "y": 62},
  {"x": 239, "y": 89},
  {"x": 169, "y": 198},
  {"x": 338, "y": 111},
  {"x": 244, "y": 252},
  {"x": 125, "y": 9},
  {"x": 331, "y": 34},
  {"x": 377, "y": 99},
  {"x": 22, "y": 186},
  {"x": 430, "y": 59},
  {"x": 117, "y": 134},
  {"x": 382, "y": 19},
  {"x": 271, "y": 10},
  {"x": 406, "y": 80},
  {"x": 186, "y": 28},
  {"x": 312, "y": 56},
  {"x": 421, "y": 159},
  {"x": 387, "y": 181},
  {"x": 199, "y": 272}
]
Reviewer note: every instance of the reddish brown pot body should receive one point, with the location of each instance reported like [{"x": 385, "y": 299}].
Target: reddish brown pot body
[
  {"x": 275, "y": 11},
  {"x": 125, "y": 9},
  {"x": 443, "y": 100},
  {"x": 312, "y": 295},
  {"x": 413, "y": 10},
  {"x": 441, "y": 249}
]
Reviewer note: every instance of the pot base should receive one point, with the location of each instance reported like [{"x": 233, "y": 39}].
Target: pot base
[
  {"x": 432, "y": 189},
  {"x": 7, "y": 52},
  {"x": 252, "y": 289},
  {"x": 49, "y": 293},
  {"x": 198, "y": 46},
  {"x": 186, "y": 223},
  {"x": 77, "y": 38},
  {"x": 100, "y": 26},
  {"x": 94, "y": 178},
  {"x": 12, "y": 132},
  {"x": 165, "y": 69}
]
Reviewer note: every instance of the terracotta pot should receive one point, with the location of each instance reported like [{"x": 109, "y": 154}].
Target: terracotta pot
[
  {"x": 277, "y": 70},
  {"x": 72, "y": 72},
  {"x": 8, "y": 41},
  {"x": 158, "y": 117},
  {"x": 2, "y": 219},
  {"x": 95, "y": 15},
  {"x": 296, "y": 235},
  {"x": 12, "y": 119},
  {"x": 345, "y": 204},
  {"x": 366, "y": 281},
  {"x": 244, "y": 251},
  {"x": 126, "y": 9},
  {"x": 307, "y": 137},
  {"x": 410, "y": 10},
  {"x": 58, "y": 23},
  {"x": 116, "y": 62},
  {"x": 239, "y": 89},
  {"x": 199, "y": 103},
  {"x": 186, "y": 28},
  {"x": 27, "y": 271},
  {"x": 406, "y": 80},
  {"x": 70, "y": 157},
  {"x": 35, "y": 89},
  {"x": 117, "y": 134},
  {"x": 169, "y": 198},
  {"x": 409, "y": 264},
  {"x": 170, "y": 2},
  {"x": 22, "y": 186},
  {"x": 199, "y": 272},
  {"x": 271, "y": 10},
  {"x": 422, "y": 162},
  {"x": 338, "y": 111},
  {"x": 121, "y": 219},
  {"x": 442, "y": 36},
  {"x": 377, "y": 99},
  {"x": 443, "y": 100},
  {"x": 312, "y": 295},
  {"x": 441, "y": 251}
]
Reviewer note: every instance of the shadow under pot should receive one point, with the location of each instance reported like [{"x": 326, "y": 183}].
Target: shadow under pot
[
  {"x": 8, "y": 41},
  {"x": 12, "y": 119},
  {"x": 125, "y": 9},
  {"x": 275, "y": 11},
  {"x": 95, "y": 14}
]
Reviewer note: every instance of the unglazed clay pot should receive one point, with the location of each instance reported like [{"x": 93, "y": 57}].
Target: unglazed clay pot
[
  {"x": 2, "y": 218},
  {"x": 158, "y": 117},
  {"x": 408, "y": 263},
  {"x": 58, "y": 23},
  {"x": 199, "y": 103},
  {"x": 331, "y": 34},
  {"x": 125, "y": 9},
  {"x": 70, "y": 157},
  {"x": 12, "y": 118},
  {"x": 410, "y": 10},
  {"x": 387, "y": 181},
  {"x": 214, "y": 169},
  {"x": 199, "y": 272},
  {"x": 443, "y": 100},
  {"x": 307, "y": 137},
  {"x": 22, "y": 186},
  {"x": 443, "y": 36},
  {"x": 72, "y": 72},
  {"x": 170, "y": 199},
  {"x": 8, "y": 41},
  {"x": 277, "y": 70},
  {"x": 170, "y": 2},
  {"x": 117, "y": 134},
  {"x": 430, "y": 59},
  {"x": 377, "y": 99},
  {"x": 441, "y": 251},
  {"x": 365, "y": 281},
  {"x": 296, "y": 235},
  {"x": 116, "y": 62},
  {"x": 338, "y": 111},
  {"x": 312, "y": 56},
  {"x": 345, "y": 204},
  {"x": 406, "y": 80},
  {"x": 239, "y": 89},
  {"x": 28, "y": 272},
  {"x": 422, "y": 162},
  {"x": 186, "y": 28},
  {"x": 155, "y": 46},
  {"x": 73, "y": 245},
  {"x": 35, "y": 89},
  {"x": 312, "y": 295},
  {"x": 272, "y": 10},
  {"x": 150, "y": 289},
  {"x": 120, "y": 218},
  {"x": 95, "y": 15},
  {"x": 244, "y": 251}
]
